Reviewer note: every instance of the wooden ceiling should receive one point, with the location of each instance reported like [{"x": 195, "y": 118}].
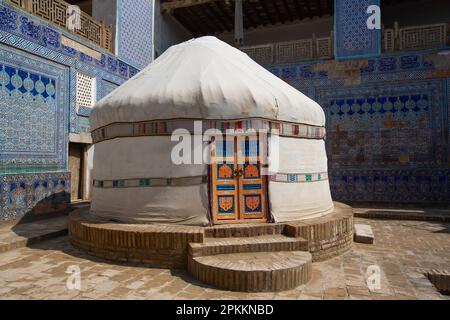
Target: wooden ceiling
[
  {"x": 85, "y": 5},
  {"x": 203, "y": 17}
]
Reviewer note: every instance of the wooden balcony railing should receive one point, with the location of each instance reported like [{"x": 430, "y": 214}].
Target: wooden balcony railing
[
  {"x": 55, "y": 11},
  {"x": 291, "y": 51},
  {"x": 393, "y": 39}
]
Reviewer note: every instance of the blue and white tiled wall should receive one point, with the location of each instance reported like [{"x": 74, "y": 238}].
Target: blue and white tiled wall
[
  {"x": 134, "y": 25},
  {"x": 38, "y": 110},
  {"x": 387, "y": 124}
]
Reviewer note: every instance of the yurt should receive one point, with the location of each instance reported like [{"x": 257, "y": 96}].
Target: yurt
[{"x": 196, "y": 86}]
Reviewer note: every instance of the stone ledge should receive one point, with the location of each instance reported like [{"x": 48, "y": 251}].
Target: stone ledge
[
  {"x": 440, "y": 279},
  {"x": 364, "y": 233},
  {"x": 395, "y": 214}
]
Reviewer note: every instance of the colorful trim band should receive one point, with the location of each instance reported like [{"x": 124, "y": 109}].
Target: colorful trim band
[
  {"x": 167, "y": 127},
  {"x": 150, "y": 182},
  {"x": 299, "y": 177}
]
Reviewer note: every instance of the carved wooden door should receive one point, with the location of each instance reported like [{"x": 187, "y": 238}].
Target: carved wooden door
[{"x": 238, "y": 186}]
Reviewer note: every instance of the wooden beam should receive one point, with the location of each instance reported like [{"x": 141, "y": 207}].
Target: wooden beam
[
  {"x": 308, "y": 7},
  {"x": 187, "y": 23},
  {"x": 277, "y": 11},
  {"x": 286, "y": 8},
  {"x": 196, "y": 21},
  {"x": 198, "y": 11},
  {"x": 228, "y": 17},
  {"x": 210, "y": 21},
  {"x": 298, "y": 10},
  {"x": 248, "y": 14},
  {"x": 258, "y": 14},
  {"x": 264, "y": 5},
  {"x": 170, "y": 6},
  {"x": 212, "y": 11},
  {"x": 319, "y": 7}
]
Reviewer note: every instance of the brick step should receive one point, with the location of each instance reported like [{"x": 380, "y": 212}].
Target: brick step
[
  {"x": 244, "y": 230},
  {"x": 272, "y": 243},
  {"x": 253, "y": 271}
]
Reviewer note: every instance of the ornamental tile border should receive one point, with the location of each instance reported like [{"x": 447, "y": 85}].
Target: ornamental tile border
[
  {"x": 195, "y": 180},
  {"x": 167, "y": 127}
]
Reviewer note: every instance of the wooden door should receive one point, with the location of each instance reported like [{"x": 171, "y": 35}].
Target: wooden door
[
  {"x": 252, "y": 184},
  {"x": 75, "y": 168},
  {"x": 238, "y": 187}
]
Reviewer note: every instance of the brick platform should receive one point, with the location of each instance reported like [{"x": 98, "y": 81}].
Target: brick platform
[
  {"x": 275, "y": 254},
  {"x": 327, "y": 236},
  {"x": 163, "y": 246}
]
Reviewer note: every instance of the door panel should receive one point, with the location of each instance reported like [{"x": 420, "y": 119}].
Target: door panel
[
  {"x": 238, "y": 188},
  {"x": 75, "y": 166},
  {"x": 225, "y": 187},
  {"x": 252, "y": 183}
]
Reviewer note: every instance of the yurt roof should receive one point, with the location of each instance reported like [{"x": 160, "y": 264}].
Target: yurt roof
[{"x": 205, "y": 78}]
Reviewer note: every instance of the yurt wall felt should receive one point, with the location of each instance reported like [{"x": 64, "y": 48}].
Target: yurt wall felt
[
  {"x": 144, "y": 163},
  {"x": 300, "y": 189}
]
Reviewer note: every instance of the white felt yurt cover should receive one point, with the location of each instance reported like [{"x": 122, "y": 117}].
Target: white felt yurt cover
[{"x": 203, "y": 79}]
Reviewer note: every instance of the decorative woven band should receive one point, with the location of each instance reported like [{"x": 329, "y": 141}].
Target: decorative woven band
[
  {"x": 189, "y": 181},
  {"x": 150, "y": 182},
  {"x": 299, "y": 177},
  {"x": 167, "y": 127}
]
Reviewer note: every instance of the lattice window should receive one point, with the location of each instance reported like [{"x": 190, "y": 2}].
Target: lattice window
[
  {"x": 323, "y": 47},
  {"x": 86, "y": 90},
  {"x": 294, "y": 51},
  {"x": 261, "y": 54},
  {"x": 388, "y": 40},
  {"x": 17, "y": 2},
  {"x": 431, "y": 36}
]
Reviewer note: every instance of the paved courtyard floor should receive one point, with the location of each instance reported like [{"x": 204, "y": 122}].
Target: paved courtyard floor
[{"x": 402, "y": 250}]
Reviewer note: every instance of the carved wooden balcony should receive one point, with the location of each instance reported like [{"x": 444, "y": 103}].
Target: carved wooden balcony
[{"x": 55, "y": 11}]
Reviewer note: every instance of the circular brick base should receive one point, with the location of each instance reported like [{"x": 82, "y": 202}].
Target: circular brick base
[
  {"x": 163, "y": 246},
  {"x": 166, "y": 246},
  {"x": 327, "y": 236},
  {"x": 253, "y": 271}
]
